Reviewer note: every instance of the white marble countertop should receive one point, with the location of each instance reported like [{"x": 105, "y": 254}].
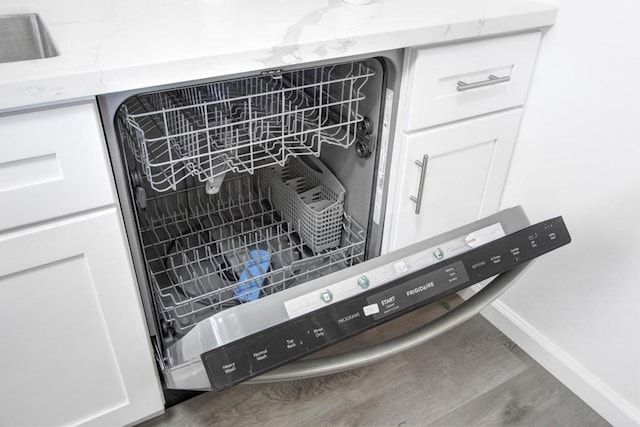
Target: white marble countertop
[{"x": 114, "y": 45}]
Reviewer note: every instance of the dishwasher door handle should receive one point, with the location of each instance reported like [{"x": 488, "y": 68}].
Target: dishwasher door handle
[{"x": 309, "y": 368}]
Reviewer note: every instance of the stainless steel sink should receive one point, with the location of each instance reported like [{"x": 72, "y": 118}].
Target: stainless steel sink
[{"x": 24, "y": 37}]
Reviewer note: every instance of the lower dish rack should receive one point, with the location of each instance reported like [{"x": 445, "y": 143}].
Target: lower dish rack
[{"x": 207, "y": 253}]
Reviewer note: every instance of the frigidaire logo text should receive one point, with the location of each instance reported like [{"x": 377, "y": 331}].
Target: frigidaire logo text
[{"x": 419, "y": 289}]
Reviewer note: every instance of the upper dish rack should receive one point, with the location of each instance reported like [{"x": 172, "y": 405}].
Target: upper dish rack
[{"x": 243, "y": 124}]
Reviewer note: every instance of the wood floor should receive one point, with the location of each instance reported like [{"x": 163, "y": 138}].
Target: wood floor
[{"x": 471, "y": 376}]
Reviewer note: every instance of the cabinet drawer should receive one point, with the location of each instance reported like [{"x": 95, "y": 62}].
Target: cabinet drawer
[
  {"x": 52, "y": 163},
  {"x": 454, "y": 82}
]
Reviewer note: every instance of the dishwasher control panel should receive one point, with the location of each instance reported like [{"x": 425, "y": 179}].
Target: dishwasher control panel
[{"x": 247, "y": 358}]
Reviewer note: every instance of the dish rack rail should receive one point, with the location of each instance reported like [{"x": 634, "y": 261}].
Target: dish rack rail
[
  {"x": 197, "y": 246},
  {"x": 243, "y": 124}
]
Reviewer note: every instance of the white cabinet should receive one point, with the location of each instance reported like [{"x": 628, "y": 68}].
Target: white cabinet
[
  {"x": 75, "y": 347},
  {"x": 466, "y": 166},
  {"x": 458, "y": 118},
  {"x": 52, "y": 163}
]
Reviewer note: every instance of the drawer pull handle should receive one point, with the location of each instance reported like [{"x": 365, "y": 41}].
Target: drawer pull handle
[
  {"x": 492, "y": 80},
  {"x": 423, "y": 174}
]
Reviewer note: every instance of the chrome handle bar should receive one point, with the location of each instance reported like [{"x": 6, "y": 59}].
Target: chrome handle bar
[
  {"x": 423, "y": 174},
  {"x": 492, "y": 80}
]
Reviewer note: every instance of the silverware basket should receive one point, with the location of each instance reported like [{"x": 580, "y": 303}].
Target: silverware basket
[
  {"x": 310, "y": 198},
  {"x": 244, "y": 124}
]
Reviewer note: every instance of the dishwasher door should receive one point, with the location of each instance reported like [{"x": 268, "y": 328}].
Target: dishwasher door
[{"x": 249, "y": 341}]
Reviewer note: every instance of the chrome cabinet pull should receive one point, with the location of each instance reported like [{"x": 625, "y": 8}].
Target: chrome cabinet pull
[
  {"x": 423, "y": 174},
  {"x": 492, "y": 80}
]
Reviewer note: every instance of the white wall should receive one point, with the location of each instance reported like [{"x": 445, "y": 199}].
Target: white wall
[{"x": 578, "y": 155}]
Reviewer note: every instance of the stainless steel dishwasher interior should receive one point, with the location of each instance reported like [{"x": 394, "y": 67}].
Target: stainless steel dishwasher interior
[{"x": 245, "y": 187}]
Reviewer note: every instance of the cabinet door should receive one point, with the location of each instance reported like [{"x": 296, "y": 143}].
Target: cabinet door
[
  {"x": 464, "y": 174},
  {"x": 74, "y": 343}
]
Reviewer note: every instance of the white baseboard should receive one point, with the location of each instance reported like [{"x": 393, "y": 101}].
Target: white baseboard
[{"x": 567, "y": 370}]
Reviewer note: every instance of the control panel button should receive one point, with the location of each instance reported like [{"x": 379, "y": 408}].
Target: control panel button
[
  {"x": 292, "y": 345},
  {"x": 260, "y": 355},
  {"x": 227, "y": 367},
  {"x": 318, "y": 331},
  {"x": 316, "y": 337},
  {"x": 277, "y": 345},
  {"x": 363, "y": 282},
  {"x": 326, "y": 296},
  {"x": 438, "y": 254}
]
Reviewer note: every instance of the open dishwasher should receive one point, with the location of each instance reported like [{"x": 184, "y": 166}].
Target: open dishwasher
[{"x": 254, "y": 207}]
